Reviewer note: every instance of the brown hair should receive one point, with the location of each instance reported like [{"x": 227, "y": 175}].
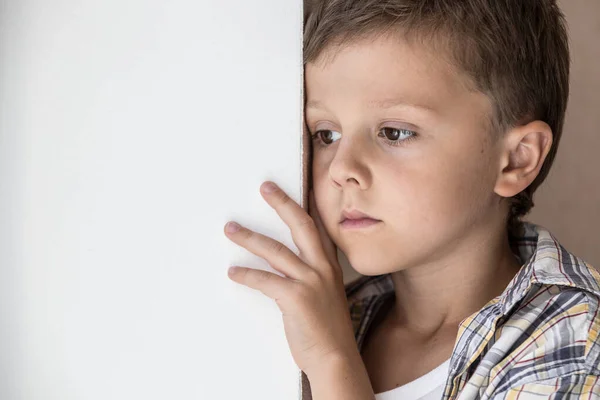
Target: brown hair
[{"x": 515, "y": 51}]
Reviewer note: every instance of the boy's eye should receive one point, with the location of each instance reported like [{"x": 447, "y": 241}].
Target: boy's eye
[
  {"x": 325, "y": 136},
  {"x": 392, "y": 136}
]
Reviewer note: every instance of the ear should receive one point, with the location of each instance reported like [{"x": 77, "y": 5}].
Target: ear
[{"x": 524, "y": 152}]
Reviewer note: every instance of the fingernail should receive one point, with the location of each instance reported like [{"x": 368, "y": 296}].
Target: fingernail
[
  {"x": 232, "y": 227},
  {"x": 270, "y": 188}
]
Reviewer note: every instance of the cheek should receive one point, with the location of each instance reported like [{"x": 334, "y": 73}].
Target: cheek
[
  {"x": 463, "y": 182},
  {"x": 435, "y": 190},
  {"x": 417, "y": 197},
  {"x": 323, "y": 197},
  {"x": 319, "y": 176}
]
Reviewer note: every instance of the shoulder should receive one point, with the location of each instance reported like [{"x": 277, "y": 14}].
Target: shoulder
[
  {"x": 549, "y": 323},
  {"x": 548, "y": 342}
]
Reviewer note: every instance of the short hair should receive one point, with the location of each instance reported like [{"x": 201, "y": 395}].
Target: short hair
[{"x": 515, "y": 51}]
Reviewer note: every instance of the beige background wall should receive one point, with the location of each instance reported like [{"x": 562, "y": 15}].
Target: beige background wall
[{"x": 568, "y": 202}]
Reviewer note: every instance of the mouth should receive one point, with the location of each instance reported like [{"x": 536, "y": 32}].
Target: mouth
[
  {"x": 357, "y": 219},
  {"x": 359, "y": 223}
]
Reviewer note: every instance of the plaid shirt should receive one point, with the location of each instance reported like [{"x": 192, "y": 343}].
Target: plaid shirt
[{"x": 537, "y": 340}]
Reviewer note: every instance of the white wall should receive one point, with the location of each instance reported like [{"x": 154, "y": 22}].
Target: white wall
[{"x": 131, "y": 131}]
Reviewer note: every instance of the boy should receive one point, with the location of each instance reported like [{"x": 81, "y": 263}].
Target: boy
[
  {"x": 473, "y": 95},
  {"x": 433, "y": 122}
]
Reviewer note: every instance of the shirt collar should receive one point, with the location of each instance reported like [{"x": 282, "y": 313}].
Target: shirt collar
[{"x": 545, "y": 262}]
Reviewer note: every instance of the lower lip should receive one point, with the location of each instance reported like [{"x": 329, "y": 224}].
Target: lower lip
[{"x": 359, "y": 223}]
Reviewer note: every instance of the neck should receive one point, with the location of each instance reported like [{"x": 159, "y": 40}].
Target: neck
[{"x": 445, "y": 291}]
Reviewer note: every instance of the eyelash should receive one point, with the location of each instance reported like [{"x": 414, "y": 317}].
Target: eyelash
[{"x": 394, "y": 143}]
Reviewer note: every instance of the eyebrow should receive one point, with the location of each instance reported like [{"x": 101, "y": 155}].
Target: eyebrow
[
  {"x": 315, "y": 104},
  {"x": 381, "y": 104}
]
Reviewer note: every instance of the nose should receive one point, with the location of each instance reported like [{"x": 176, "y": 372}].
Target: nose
[{"x": 349, "y": 166}]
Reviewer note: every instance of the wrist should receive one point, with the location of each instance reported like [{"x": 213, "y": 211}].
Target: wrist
[
  {"x": 342, "y": 376},
  {"x": 334, "y": 362}
]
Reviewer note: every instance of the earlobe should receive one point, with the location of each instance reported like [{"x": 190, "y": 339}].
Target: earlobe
[{"x": 525, "y": 150}]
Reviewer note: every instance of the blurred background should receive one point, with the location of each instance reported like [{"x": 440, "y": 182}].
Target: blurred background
[{"x": 568, "y": 202}]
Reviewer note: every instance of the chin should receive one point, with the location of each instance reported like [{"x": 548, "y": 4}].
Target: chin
[
  {"x": 369, "y": 267},
  {"x": 371, "y": 273}
]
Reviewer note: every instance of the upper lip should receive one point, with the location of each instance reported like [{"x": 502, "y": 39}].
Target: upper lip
[{"x": 354, "y": 214}]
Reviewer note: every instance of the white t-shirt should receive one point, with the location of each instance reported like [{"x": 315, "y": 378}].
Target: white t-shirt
[{"x": 427, "y": 387}]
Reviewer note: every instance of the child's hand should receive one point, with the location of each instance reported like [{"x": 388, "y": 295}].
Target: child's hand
[{"x": 311, "y": 296}]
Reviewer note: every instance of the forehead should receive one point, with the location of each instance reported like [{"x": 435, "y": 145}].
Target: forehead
[{"x": 380, "y": 71}]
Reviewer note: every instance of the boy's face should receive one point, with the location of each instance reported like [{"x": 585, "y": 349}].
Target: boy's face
[{"x": 434, "y": 191}]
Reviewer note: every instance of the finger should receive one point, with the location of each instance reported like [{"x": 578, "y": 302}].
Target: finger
[
  {"x": 303, "y": 228},
  {"x": 275, "y": 253},
  {"x": 270, "y": 284},
  {"x": 328, "y": 245}
]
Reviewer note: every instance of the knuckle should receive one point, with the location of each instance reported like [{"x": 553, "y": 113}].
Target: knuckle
[
  {"x": 284, "y": 198},
  {"x": 313, "y": 276},
  {"x": 276, "y": 246},
  {"x": 306, "y": 220},
  {"x": 247, "y": 233},
  {"x": 262, "y": 276}
]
